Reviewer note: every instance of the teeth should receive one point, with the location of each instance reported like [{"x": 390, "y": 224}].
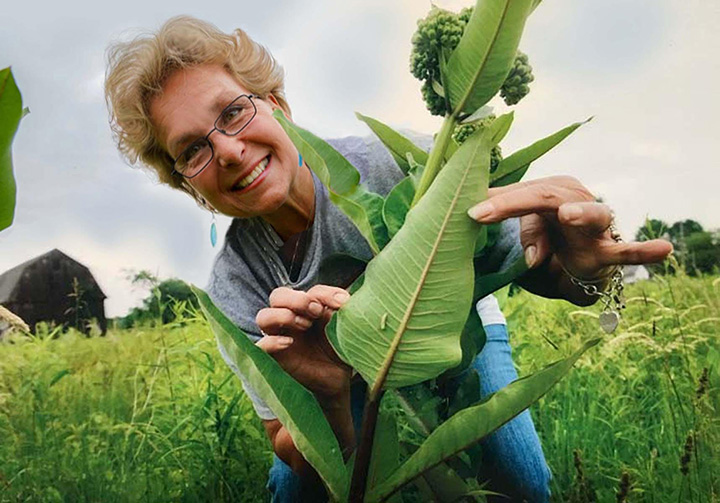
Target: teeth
[{"x": 255, "y": 173}]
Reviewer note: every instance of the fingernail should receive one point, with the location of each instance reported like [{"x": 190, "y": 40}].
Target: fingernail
[
  {"x": 573, "y": 211},
  {"x": 530, "y": 256},
  {"x": 302, "y": 322},
  {"x": 341, "y": 297},
  {"x": 315, "y": 309},
  {"x": 481, "y": 211},
  {"x": 285, "y": 340}
]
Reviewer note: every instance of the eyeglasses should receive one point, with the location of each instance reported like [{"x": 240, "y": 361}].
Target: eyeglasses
[{"x": 234, "y": 118}]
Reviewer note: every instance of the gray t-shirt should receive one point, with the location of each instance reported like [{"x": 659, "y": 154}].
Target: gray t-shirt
[{"x": 248, "y": 267}]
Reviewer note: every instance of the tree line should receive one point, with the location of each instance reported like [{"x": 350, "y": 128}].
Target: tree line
[{"x": 697, "y": 250}]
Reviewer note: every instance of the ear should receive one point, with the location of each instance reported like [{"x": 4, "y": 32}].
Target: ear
[
  {"x": 276, "y": 106},
  {"x": 273, "y": 101}
]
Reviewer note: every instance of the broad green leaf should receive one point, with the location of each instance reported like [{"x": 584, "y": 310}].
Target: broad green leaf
[
  {"x": 472, "y": 341},
  {"x": 512, "y": 168},
  {"x": 467, "y": 394},
  {"x": 11, "y": 111},
  {"x": 500, "y": 127},
  {"x": 445, "y": 485},
  {"x": 487, "y": 283},
  {"x": 385, "y": 456},
  {"x": 474, "y": 423},
  {"x": 397, "y": 204},
  {"x": 479, "y": 65},
  {"x": 296, "y": 407},
  {"x": 364, "y": 208},
  {"x": 482, "y": 240},
  {"x": 398, "y": 145},
  {"x": 403, "y": 325},
  {"x": 422, "y": 405}
]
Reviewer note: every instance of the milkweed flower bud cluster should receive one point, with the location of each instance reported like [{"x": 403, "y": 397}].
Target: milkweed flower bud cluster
[
  {"x": 437, "y": 35},
  {"x": 463, "y": 132},
  {"x": 517, "y": 83}
]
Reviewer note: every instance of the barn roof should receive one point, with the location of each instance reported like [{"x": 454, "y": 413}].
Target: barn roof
[{"x": 10, "y": 278}]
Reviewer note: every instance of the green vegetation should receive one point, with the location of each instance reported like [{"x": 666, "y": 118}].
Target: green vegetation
[
  {"x": 166, "y": 298},
  {"x": 631, "y": 406},
  {"x": 151, "y": 414},
  {"x": 437, "y": 36},
  {"x": 410, "y": 317},
  {"x": 154, "y": 414},
  {"x": 11, "y": 111},
  {"x": 697, "y": 250}
]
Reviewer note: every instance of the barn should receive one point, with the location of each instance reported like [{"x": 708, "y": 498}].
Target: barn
[{"x": 53, "y": 288}]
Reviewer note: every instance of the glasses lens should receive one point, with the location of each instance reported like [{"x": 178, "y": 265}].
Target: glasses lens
[
  {"x": 194, "y": 158},
  {"x": 236, "y": 116}
]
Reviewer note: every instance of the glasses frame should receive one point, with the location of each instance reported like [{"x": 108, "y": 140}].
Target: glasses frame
[{"x": 221, "y": 131}]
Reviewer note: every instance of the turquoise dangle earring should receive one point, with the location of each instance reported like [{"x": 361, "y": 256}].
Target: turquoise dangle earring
[
  {"x": 300, "y": 159},
  {"x": 213, "y": 231}
]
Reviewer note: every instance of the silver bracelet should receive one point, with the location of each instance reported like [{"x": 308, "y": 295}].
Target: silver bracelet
[{"x": 612, "y": 294}]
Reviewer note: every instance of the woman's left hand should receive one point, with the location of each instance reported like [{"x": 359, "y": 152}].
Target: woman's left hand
[{"x": 563, "y": 227}]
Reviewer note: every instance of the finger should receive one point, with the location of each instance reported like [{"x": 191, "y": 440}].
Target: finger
[
  {"x": 565, "y": 181},
  {"x": 535, "y": 239},
  {"x": 330, "y": 296},
  {"x": 593, "y": 219},
  {"x": 296, "y": 300},
  {"x": 645, "y": 252},
  {"x": 274, "y": 343},
  {"x": 527, "y": 199},
  {"x": 282, "y": 321}
]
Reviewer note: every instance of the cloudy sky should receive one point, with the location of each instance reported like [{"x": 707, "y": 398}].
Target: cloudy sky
[{"x": 647, "y": 70}]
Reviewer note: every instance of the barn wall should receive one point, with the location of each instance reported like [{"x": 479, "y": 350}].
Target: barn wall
[{"x": 45, "y": 293}]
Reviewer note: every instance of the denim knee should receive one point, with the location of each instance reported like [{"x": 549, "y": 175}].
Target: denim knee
[
  {"x": 283, "y": 483},
  {"x": 513, "y": 459}
]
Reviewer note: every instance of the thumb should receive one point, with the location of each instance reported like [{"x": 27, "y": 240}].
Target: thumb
[
  {"x": 535, "y": 239},
  {"x": 274, "y": 343}
]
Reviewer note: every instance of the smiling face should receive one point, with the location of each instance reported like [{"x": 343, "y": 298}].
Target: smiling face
[{"x": 186, "y": 110}]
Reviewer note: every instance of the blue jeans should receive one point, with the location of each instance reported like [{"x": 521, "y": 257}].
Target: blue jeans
[{"x": 513, "y": 460}]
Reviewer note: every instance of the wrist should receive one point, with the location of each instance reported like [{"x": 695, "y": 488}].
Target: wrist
[{"x": 338, "y": 412}]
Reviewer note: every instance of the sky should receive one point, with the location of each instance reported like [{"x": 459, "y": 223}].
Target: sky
[{"x": 645, "y": 70}]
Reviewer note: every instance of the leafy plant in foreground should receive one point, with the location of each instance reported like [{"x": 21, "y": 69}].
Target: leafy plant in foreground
[
  {"x": 411, "y": 315},
  {"x": 11, "y": 111}
]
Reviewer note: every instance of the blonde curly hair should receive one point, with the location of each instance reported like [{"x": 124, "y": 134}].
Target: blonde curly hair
[{"x": 137, "y": 70}]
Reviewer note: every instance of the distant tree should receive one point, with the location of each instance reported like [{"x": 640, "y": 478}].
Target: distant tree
[
  {"x": 653, "y": 229},
  {"x": 697, "y": 250},
  {"x": 702, "y": 253},
  {"x": 683, "y": 228},
  {"x": 158, "y": 306}
]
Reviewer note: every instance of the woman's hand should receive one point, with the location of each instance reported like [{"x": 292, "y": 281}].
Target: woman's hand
[
  {"x": 562, "y": 227},
  {"x": 294, "y": 325}
]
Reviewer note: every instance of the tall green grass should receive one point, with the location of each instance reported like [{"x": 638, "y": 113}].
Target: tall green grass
[
  {"x": 145, "y": 415},
  {"x": 154, "y": 414},
  {"x": 630, "y": 407}
]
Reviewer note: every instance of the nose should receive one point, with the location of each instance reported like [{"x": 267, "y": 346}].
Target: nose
[{"x": 229, "y": 150}]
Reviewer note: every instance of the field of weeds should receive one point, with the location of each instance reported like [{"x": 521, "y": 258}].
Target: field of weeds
[{"x": 154, "y": 414}]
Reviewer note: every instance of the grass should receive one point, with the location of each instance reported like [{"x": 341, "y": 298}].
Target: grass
[
  {"x": 627, "y": 409},
  {"x": 154, "y": 414},
  {"x": 144, "y": 415}
]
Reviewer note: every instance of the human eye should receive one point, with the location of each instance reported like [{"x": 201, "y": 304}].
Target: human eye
[
  {"x": 231, "y": 114},
  {"x": 194, "y": 152}
]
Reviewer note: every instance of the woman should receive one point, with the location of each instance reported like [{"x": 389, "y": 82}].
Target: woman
[{"x": 195, "y": 105}]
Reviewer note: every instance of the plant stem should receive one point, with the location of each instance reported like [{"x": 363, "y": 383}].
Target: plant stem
[
  {"x": 437, "y": 157},
  {"x": 358, "y": 484}
]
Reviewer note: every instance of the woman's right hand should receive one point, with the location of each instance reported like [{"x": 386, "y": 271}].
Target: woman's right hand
[{"x": 294, "y": 325}]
